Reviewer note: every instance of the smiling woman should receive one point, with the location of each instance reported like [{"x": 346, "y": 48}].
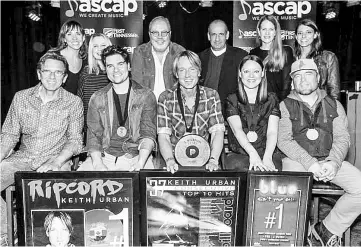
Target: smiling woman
[
  {"x": 72, "y": 46},
  {"x": 276, "y": 57},
  {"x": 253, "y": 115}
]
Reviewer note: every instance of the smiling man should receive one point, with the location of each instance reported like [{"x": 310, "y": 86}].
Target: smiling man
[
  {"x": 313, "y": 135},
  {"x": 50, "y": 121},
  {"x": 188, "y": 108},
  {"x": 220, "y": 61},
  {"x": 152, "y": 61},
  {"x": 121, "y": 120}
]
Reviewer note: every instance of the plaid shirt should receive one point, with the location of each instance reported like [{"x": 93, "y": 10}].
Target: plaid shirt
[
  {"x": 208, "y": 117},
  {"x": 46, "y": 129}
]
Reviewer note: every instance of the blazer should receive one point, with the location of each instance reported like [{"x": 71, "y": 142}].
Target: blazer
[{"x": 228, "y": 78}]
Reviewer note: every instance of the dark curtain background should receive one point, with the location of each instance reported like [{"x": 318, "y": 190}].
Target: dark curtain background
[{"x": 24, "y": 41}]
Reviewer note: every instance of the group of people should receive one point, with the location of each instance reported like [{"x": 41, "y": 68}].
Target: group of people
[{"x": 278, "y": 103}]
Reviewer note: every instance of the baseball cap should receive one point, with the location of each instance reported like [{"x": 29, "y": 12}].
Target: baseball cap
[{"x": 303, "y": 64}]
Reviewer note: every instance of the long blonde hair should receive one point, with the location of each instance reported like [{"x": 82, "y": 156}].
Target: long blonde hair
[
  {"x": 92, "y": 62},
  {"x": 277, "y": 56}
]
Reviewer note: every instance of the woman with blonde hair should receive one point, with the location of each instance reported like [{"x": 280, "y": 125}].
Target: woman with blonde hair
[
  {"x": 72, "y": 45},
  {"x": 308, "y": 44},
  {"x": 93, "y": 77},
  {"x": 253, "y": 114},
  {"x": 277, "y": 58}
]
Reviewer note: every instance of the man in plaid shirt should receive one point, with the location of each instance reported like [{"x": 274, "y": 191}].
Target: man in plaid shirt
[{"x": 203, "y": 119}]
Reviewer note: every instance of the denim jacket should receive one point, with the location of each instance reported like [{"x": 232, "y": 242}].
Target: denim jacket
[
  {"x": 143, "y": 67},
  {"x": 142, "y": 115}
]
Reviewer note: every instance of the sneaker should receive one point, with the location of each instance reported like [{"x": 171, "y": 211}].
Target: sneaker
[
  {"x": 4, "y": 240},
  {"x": 320, "y": 236}
]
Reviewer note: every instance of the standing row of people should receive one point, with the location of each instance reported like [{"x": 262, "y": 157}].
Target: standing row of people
[{"x": 125, "y": 124}]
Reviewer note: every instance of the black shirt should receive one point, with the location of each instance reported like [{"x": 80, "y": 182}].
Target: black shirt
[
  {"x": 234, "y": 107},
  {"x": 280, "y": 81}
]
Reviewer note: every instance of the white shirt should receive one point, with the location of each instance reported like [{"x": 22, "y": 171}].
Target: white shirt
[
  {"x": 218, "y": 53},
  {"x": 159, "y": 86}
]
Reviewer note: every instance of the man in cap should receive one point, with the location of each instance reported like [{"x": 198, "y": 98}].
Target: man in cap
[{"x": 313, "y": 135}]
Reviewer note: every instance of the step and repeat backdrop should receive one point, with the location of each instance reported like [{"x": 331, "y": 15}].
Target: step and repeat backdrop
[
  {"x": 121, "y": 21},
  {"x": 156, "y": 208},
  {"x": 246, "y": 15}
]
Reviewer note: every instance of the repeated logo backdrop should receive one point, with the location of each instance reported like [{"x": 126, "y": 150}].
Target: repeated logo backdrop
[
  {"x": 121, "y": 21},
  {"x": 247, "y": 13}
]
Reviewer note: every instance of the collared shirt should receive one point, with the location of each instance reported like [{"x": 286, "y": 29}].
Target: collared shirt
[
  {"x": 208, "y": 118},
  {"x": 46, "y": 129},
  {"x": 159, "y": 86},
  {"x": 220, "y": 52}
]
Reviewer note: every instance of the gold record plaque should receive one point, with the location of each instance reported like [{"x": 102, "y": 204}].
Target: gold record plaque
[{"x": 192, "y": 150}]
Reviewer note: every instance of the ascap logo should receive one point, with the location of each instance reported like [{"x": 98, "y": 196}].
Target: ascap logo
[
  {"x": 297, "y": 8},
  {"x": 247, "y": 34},
  {"x": 89, "y": 31},
  {"x": 107, "y": 6}
]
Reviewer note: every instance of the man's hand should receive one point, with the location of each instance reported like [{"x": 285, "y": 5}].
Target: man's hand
[
  {"x": 330, "y": 169},
  {"x": 212, "y": 165},
  {"x": 99, "y": 166},
  {"x": 51, "y": 164},
  {"x": 316, "y": 169},
  {"x": 172, "y": 166},
  {"x": 135, "y": 166}
]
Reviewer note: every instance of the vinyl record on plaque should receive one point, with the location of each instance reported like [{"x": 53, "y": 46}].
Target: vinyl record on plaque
[{"x": 192, "y": 150}]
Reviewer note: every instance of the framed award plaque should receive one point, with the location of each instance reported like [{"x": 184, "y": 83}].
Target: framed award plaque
[
  {"x": 85, "y": 208},
  {"x": 277, "y": 209},
  {"x": 191, "y": 208}
]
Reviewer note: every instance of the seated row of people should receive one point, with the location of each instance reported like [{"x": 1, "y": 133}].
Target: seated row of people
[
  {"x": 123, "y": 122},
  {"x": 124, "y": 119}
]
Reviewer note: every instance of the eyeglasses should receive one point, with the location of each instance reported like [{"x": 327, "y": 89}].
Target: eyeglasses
[
  {"x": 182, "y": 71},
  {"x": 57, "y": 73},
  {"x": 156, "y": 34}
]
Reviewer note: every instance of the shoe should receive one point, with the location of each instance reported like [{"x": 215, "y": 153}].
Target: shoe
[
  {"x": 320, "y": 236},
  {"x": 4, "y": 240}
]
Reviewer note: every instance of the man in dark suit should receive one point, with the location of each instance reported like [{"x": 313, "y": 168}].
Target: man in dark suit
[{"x": 220, "y": 61}]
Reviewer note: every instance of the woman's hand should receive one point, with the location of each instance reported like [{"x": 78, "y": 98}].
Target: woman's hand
[
  {"x": 255, "y": 162},
  {"x": 268, "y": 163}
]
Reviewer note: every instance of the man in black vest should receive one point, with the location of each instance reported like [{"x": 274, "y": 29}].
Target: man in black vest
[
  {"x": 313, "y": 134},
  {"x": 220, "y": 61}
]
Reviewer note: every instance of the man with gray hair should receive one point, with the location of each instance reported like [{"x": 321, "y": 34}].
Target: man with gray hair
[
  {"x": 50, "y": 121},
  {"x": 152, "y": 61},
  {"x": 220, "y": 61},
  {"x": 313, "y": 135}
]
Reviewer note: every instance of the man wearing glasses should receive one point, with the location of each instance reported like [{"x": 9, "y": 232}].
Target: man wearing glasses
[
  {"x": 220, "y": 61},
  {"x": 152, "y": 61},
  {"x": 49, "y": 120},
  {"x": 121, "y": 120}
]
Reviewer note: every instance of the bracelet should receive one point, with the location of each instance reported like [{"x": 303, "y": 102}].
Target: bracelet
[{"x": 168, "y": 159}]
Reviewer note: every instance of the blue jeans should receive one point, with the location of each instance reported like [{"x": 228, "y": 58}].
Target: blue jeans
[{"x": 348, "y": 207}]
